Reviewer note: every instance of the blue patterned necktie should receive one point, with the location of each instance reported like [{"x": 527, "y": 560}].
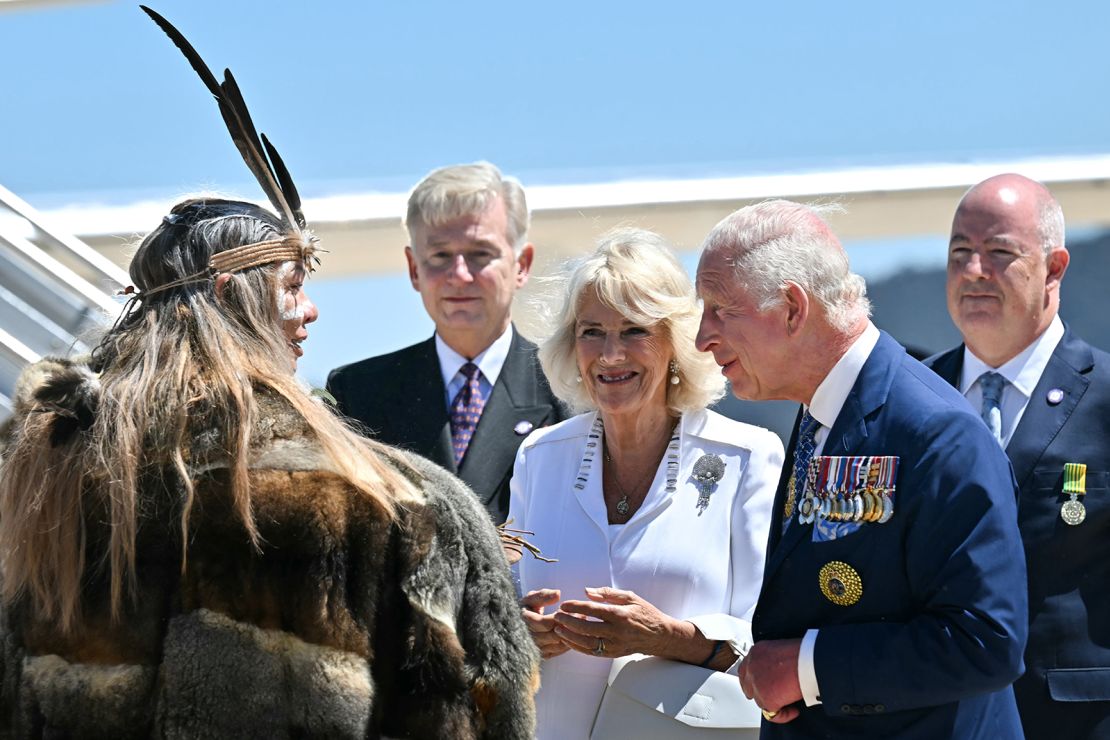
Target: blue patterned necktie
[
  {"x": 992, "y": 384},
  {"x": 804, "y": 447},
  {"x": 466, "y": 410}
]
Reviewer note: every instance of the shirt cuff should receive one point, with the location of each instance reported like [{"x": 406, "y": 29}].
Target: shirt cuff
[
  {"x": 733, "y": 630},
  {"x": 807, "y": 672}
]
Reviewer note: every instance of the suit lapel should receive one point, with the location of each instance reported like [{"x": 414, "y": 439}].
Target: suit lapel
[
  {"x": 1067, "y": 370},
  {"x": 784, "y": 542},
  {"x": 419, "y": 409},
  {"x": 496, "y": 440},
  {"x": 780, "y": 494},
  {"x": 949, "y": 366},
  {"x": 848, "y": 432}
]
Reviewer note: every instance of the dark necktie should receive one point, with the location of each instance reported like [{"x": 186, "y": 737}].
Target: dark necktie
[
  {"x": 466, "y": 409},
  {"x": 803, "y": 453},
  {"x": 992, "y": 384}
]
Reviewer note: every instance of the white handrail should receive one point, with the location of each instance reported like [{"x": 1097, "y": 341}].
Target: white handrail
[
  {"x": 81, "y": 251},
  {"x": 17, "y": 350},
  {"x": 52, "y": 266}
]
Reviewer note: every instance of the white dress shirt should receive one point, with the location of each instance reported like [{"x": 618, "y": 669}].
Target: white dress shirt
[
  {"x": 489, "y": 362},
  {"x": 1023, "y": 372},
  {"x": 704, "y": 567},
  {"x": 825, "y": 406}
]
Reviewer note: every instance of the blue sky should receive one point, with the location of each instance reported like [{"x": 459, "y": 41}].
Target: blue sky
[
  {"x": 374, "y": 94},
  {"x": 98, "y": 106}
]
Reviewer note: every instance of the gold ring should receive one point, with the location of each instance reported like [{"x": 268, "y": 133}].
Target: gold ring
[
  {"x": 768, "y": 715},
  {"x": 600, "y": 649}
]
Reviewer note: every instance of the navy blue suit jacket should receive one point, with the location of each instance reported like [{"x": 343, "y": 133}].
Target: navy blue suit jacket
[
  {"x": 400, "y": 399},
  {"x": 930, "y": 649},
  {"x": 1065, "y": 691}
]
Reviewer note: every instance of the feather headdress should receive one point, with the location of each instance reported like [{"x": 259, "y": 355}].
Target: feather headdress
[{"x": 262, "y": 159}]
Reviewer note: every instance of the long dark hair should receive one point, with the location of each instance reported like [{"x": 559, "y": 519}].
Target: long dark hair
[{"x": 177, "y": 354}]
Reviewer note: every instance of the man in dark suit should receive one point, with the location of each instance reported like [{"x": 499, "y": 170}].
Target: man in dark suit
[
  {"x": 1046, "y": 394},
  {"x": 893, "y": 601},
  {"x": 468, "y": 396}
]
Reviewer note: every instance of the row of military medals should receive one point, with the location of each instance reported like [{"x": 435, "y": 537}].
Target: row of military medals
[
  {"x": 856, "y": 488},
  {"x": 1073, "y": 511}
]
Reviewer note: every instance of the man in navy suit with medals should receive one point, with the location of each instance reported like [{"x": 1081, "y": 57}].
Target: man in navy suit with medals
[
  {"x": 1045, "y": 395},
  {"x": 469, "y": 395},
  {"x": 893, "y": 601}
]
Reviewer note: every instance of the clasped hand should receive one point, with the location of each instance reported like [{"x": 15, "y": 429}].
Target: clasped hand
[
  {"x": 619, "y": 621},
  {"x": 769, "y": 676}
]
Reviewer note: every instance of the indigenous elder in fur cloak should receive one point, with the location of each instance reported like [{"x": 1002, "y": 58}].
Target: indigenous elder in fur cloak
[{"x": 191, "y": 545}]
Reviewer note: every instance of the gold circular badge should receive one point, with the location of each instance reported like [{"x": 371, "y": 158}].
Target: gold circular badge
[{"x": 840, "y": 583}]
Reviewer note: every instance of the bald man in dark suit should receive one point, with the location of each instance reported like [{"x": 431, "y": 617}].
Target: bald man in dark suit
[{"x": 1045, "y": 394}]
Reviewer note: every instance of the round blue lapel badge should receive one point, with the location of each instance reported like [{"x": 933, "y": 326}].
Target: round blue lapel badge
[
  {"x": 1055, "y": 396},
  {"x": 523, "y": 427}
]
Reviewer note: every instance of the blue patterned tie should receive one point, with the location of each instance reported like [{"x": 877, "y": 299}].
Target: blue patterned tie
[
  {"x": 803, "y": 453},
  {"x": 992, "y": 384},
  {"x": 466, "y": 410}
]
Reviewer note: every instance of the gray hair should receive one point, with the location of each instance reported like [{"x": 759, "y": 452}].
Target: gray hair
[
  {"x": 466, "y": 190},
  {"x": 779, "y": 241},
  {"x": 1050, "y": 223},
  {"x": 635, "y": 273}
]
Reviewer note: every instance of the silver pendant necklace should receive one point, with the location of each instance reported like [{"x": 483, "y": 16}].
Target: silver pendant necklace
[
  {"x": 623, "y": 505},
  {"x": 594, "y": 441}
]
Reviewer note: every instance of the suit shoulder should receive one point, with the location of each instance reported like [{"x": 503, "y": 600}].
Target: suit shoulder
[
  {"x": 710, "y": 425},
  {"x": 923, "y": 409},
  {"x": 941, "y": 359},
  {"x": 525, "y": 343},
  {"x": 1101, "y": 361},
  {"x": 916, "y": 383},
  {"x": 380, "y": 364}
]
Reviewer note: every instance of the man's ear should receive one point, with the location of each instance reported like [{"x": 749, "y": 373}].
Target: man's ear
[
  {"x": 797, "y": 307},
  {"x": 1058, "y": 260},
  {"x": 524, "y": 264},
  {"x": 414, "y": 276},
  {"x": 221, "y": 281}
]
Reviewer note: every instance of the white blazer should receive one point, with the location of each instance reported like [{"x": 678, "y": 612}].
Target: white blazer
[{"x": 705, "y": 567}]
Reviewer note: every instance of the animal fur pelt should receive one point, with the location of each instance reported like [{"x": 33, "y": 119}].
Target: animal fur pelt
[{"x": 344, "y": 624}]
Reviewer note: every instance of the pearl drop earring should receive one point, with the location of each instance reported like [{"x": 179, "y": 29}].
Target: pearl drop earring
[{"x": 675, "y": 380}]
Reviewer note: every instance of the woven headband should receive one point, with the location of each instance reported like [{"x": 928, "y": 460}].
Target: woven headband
[{"x": 294, "y": 248}]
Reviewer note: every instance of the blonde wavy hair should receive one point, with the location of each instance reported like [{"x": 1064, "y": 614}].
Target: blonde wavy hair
[
  {"x": 633, "y": 272},
  {"x": 182, "y": 359}
]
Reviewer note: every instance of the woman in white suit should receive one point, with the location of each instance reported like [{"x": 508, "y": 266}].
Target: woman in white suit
[{"x": 655, "y": 508}]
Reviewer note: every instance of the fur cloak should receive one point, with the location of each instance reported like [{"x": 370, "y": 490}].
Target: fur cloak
[{"x": 342, "y": 624}]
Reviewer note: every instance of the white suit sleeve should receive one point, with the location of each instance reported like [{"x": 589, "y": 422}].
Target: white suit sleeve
[{"x": 751, "y": 522}]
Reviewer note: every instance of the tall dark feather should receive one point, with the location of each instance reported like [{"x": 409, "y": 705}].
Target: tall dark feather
[
  {"x": 187, "y": 49},
  {"x": 286, "y": 182},
  {"x": 271, "y": 173},
  {"x": 234, "y": 97},
  {"x": 245, "y": 136}
]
